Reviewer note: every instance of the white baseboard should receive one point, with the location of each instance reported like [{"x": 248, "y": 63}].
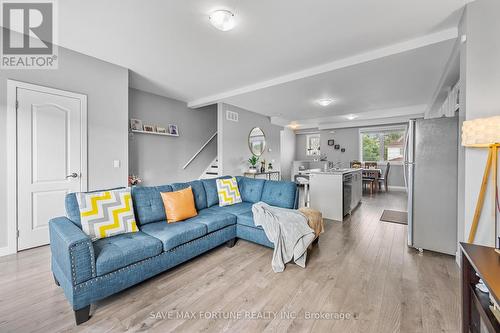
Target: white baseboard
[
  {"x": 397, "y": 188},
  {"x": 6, "y": 250}
]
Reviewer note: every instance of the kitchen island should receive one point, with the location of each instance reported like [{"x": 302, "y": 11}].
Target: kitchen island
[{"x": 335, "y": 193}]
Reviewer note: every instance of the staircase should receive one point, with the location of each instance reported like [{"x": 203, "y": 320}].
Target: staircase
[{"x": 212, "y": 171}]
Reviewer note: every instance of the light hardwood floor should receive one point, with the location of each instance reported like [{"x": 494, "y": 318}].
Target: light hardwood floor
[{"x": 361, "y": 267}]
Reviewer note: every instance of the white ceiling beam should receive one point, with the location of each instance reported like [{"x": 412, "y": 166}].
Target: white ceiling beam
[
  {"x": 341, "y": 120},
  {"x": 393, "y": 49}
]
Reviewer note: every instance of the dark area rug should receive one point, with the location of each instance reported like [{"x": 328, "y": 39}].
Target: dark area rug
[{"x": 394, "y": 216}]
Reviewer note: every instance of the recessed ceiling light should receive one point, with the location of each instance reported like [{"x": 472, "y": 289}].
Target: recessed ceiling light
[
  {"x": 324, "y": 101},
  {"x": 351, "y": 116},
  {"x": 222, "y": 19},
  {"x": 293, "y": 125}
]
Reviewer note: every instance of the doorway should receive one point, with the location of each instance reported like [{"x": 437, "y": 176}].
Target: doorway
[{"x": 47, "y": 144}]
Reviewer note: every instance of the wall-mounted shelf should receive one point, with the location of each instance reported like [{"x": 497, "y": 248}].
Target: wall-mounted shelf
[{"x": 154, "y": 133}]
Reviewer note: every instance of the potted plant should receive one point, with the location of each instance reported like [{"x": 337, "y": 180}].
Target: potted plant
[{"x": 253, "y": 164}]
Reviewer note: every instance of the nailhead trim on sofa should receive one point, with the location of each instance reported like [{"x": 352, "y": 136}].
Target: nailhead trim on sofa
[{"x": 109, "y": 275}]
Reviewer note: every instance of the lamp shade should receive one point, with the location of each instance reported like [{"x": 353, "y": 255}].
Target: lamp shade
[{"x": 481, "y": 131}]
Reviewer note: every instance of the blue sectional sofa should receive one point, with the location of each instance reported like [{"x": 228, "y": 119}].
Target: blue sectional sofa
[{"x": 90, "y": 271}]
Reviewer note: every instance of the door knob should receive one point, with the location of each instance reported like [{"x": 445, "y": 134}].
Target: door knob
[{"x": 73, "y": 175}]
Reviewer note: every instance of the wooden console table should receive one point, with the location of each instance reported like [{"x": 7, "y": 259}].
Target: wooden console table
[
  {"x": 485, "y": 262},
  {"x": 269, "y": 175}
]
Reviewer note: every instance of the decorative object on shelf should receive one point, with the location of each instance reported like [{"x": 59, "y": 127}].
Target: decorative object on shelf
[
  {"x": 134, "y": 180},
  {"x": 149, "y": 128},
  {"x": 161, "y": 130},
  {"x": 342, "y": 150},
  {"x": 484, "y": 133},
  {"x": 331, "y": 142},
  {"x": 337, "y": 146},
  {"x": 172, "y": 129},
  {"x": 257, "y": 141},
  {"x": 253, "y": 164},
  {"x": 263, "y": 166},
  {"x": 270, "y": 166},
  {"x": 136, "y": 124}
]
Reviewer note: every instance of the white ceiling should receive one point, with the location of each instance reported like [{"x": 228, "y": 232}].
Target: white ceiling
[
  {"x": 172, "y": 50},
  {"x": 386, "y": 83}
]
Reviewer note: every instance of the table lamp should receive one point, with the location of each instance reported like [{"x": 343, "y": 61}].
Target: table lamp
[{"x": 484, "y": 133}]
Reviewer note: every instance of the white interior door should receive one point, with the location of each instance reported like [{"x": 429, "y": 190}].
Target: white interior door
[{"x": 49, "y": 159}]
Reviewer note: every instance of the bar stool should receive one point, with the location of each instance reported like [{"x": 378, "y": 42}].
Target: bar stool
[{"x": 304, "y": 181}]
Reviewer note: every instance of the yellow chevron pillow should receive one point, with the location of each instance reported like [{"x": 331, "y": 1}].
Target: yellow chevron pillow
[
  {"x": 228, "y": 191},
  {"x": 108, "y": 213}
]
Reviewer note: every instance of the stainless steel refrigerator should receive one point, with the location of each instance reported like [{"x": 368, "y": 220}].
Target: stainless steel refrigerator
[{"x": 431, "y": 171}]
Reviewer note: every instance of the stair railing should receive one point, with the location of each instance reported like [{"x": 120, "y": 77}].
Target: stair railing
[{"x": 200, "y": 150}]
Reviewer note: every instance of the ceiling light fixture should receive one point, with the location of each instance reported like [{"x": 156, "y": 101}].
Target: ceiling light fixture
[
  {"x": 351, "y": 116},
  {"x": 324, "y": 101},
  {"x": 222, "y": 19}
]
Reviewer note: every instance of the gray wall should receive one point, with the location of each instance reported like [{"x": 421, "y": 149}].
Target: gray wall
[
  {"x": 480, "y": 77},
  {"x": 347, "y": 138},
  {"x": 233, "y": 140},
  {"x": 159, "y": 159},
  {"x": 106, "y": 86}
]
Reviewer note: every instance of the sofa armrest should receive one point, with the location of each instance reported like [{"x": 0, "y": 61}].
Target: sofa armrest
[{"x": 72, "y": 250}]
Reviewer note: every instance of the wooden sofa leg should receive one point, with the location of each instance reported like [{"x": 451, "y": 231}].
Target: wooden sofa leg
[
  {"x": 316, "y": 241},
  {"x": 82, "y": 315},
  {"x": 230, "y": 243},
  {"x": 55, "y": 280}
]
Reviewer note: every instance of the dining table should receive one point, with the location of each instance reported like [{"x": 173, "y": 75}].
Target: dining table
[{"x": 369, "y": 173}]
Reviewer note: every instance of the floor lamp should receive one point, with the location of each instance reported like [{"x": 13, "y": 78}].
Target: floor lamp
[{"x": 484, "y": 133}]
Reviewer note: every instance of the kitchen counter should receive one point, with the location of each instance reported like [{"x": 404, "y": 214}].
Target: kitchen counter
[
  {"x": 336, "y": 172},
  {"x": 335, "y": 193}
]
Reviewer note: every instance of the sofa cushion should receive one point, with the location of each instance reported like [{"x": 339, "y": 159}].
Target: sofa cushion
[
  {"x": 247, "y": 220},
  {"x": 73, "y": 209},
  {"x": 148, "y": 204},
  {"x": 179, "y": 205},
  {"x": 250, "y": 189},
  {"x": 200, "y": 197},
  {"x": 279, "y": 193},
  {"x": 108, "y": 213},
  {"x": 228, "y": 192},
  {"x": 119, "y": 251},
  {"x": 210, "y": 186},
  {"x": 174, "y": 234},
  {"x": 213, "y": 220},
  {"x": 238, "y": 208}
]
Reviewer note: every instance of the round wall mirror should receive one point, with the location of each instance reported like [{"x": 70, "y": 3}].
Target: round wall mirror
[{"x": 257, "y": 141}]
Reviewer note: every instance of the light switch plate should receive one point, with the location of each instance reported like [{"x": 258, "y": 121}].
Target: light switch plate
[{"x": 116, "y": 163}]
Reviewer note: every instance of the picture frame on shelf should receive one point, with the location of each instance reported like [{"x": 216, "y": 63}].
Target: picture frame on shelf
[
  {"x": 136, "y": 124},
  {"x": 331, "y": 142},
  {"x": 342, "y": 150},
  {"x": 161, "y": 130},
  {"x": 149, "y": 128},
  {"x": 337, "y": 146},
  {"x": 172, "y": 129}
]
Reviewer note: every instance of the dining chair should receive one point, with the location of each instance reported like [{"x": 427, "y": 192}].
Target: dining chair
[
  {"x": 355, "y": 164},
  {"x": 371, "y": 165},
  {"x": 370, "y": 177},
  {"x": 384, "y": 178}
]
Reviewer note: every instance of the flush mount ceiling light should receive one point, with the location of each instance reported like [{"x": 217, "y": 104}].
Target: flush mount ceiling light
[
  {"x": 324, "y": 101},
  {"x": 222, "y": 19},
  {"x": 351, "y": 116}
]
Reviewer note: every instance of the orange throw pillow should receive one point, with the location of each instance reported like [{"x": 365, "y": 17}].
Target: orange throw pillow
[{"x": 179, "y": 205}]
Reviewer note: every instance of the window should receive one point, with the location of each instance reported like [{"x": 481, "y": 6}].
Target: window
[
  {"x": 312, "y": 145},
  {"x": 382, "y": 144}
]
